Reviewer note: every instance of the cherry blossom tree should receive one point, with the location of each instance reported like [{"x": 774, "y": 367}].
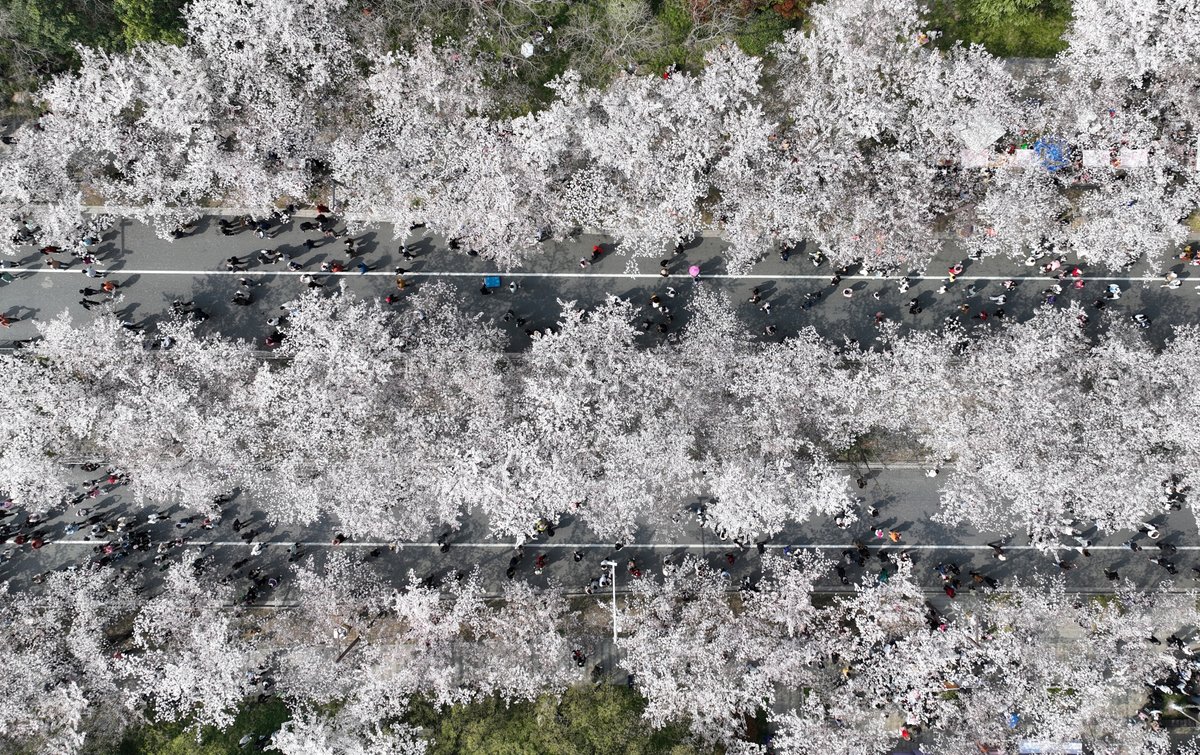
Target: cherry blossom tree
[
  {"x": 166, "y": 417},
  {"x": 592, "y": 404},
  {"x": 311, "y": 733},
  {"x": 190, "y": 657},
  {"x": 61, "y": 690},
  {"x": 648, "y": 145},
  {"x": 1062, "y": 663},
  {"x": 688, "y": 654},
  {"x": 521, "y": 648},
  {"x": 38, "y": 430},
  {"x": 1106, "y": 447},
  {"x": 762, "y": 471},
  {"x": 365, "y": 380},
  {"x": 337, "y": 605}
]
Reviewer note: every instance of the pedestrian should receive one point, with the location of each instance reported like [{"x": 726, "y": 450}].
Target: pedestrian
[
  {"x": 363, "y": 269},
  {"x": 1166, "y": 564},
  {"x": 539, "y": 563},
  {"x": 847, "y": 292},
  {"x": 237, "y": 524},
  {"x": 770, "y": 330},
  {"x": 109, "y": 286},
  {"x": 583, "y": 264},
  {"x": 339, "y": 538},
  {"x": 894, "y": 536},
  {"x": 694, "y": 271},
  {"x": 997, "y": 547},
  {"x": 664, "y": 268},
  {"x": 577, "y": 555},
  {"x": 755, "y": 297},
  {"x": 1111, "y": 575},
  {"x": 596, "y": 252},
  {"x": 879, "y": 534},
  {"x": 983, "y": 579}
]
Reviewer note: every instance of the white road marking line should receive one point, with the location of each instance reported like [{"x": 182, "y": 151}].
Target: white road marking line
[
  {"x": 535, "y": 545},
  {"x": 638, "y": 276}
]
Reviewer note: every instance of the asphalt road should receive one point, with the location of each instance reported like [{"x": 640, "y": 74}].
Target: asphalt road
[
  {"x": 153, "y": 273},
  {"x": 904, "y": 495}
]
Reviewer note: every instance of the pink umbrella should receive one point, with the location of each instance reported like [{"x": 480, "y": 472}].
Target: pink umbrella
[{"x": 694, "y": 271}]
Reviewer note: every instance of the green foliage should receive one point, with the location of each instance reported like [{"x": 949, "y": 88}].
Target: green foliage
[
  {"x": 150, "y": 20},
  {"x": 602, "y": 720},
  {"x": 675, "y": 18},
  {"x": 38, "y": 37},
  {"x": 761, "y": 31},
  {"x": 168, "y": 738},
  {"x": 1007, "y": 28},
  {"x": 53, "y": 27}
]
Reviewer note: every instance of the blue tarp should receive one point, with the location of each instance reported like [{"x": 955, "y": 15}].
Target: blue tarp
[{"x": 1054, "y": 153}]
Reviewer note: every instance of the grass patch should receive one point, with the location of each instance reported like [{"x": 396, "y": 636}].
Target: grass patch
[
  {"x": 174, "y": 738},
  {"x": 603, "y": 719},
  {"x": 1007, "y": 28}
]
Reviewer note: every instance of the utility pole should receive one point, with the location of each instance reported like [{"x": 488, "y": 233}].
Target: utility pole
[{"x": 612, "y": 566}]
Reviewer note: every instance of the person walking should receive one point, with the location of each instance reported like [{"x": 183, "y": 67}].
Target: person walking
[
  {"x": 1165, "y": 563},
  {"x": 997, "y": 547}
]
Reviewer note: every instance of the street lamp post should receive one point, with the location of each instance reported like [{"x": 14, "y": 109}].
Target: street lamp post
[{"x": 612, "y": 566}]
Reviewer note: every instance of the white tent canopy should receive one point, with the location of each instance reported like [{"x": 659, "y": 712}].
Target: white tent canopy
[{"x": 980, "y": 132}]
